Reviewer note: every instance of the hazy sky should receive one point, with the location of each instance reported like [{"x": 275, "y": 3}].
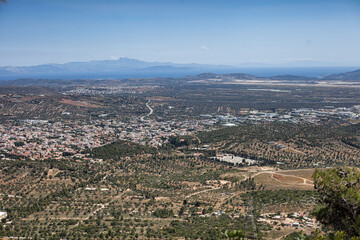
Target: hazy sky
[{"x": 325, "y": 32}]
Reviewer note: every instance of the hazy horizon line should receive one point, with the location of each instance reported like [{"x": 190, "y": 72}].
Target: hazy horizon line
[{"x": 291, "y": 64}]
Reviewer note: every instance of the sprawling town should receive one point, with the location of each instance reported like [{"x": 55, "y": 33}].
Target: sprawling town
[{"x": 41, "y": 139}]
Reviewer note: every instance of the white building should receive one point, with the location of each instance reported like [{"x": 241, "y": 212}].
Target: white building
[{"x": 3, "y": 215}]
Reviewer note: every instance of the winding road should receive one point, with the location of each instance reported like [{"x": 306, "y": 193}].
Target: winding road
[{"x": 151, "y": 111}]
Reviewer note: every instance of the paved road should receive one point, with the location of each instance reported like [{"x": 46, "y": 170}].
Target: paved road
[{"x": 151, "y": 111}]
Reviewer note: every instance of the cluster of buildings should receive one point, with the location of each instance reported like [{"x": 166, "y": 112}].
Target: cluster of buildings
[
  {"x": 41, "y": 139},
  {"x": 297, "y": 220},
  {"x": 236, "y": 160},
  {"x": 308, "y": 115}
]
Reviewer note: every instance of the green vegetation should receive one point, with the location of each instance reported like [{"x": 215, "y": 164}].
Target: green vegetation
[
  {"x": 294, "y": 145},
  {"x": 179, "y": 141},
  {"x": 339, "y": 208},
  {"x": 235, "y": 234},
  {"x": 210, "y": 228},
  {"x": 163, "y": 213},
  {"x": 278, "y": 197},
  {"x": 120, "y": 149}
]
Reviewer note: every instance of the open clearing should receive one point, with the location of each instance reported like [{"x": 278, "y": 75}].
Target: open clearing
[{"x": 285, "y": 179}]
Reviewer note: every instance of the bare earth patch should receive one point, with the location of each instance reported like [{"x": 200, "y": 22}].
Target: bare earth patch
[{"x": 79, "y": 104}]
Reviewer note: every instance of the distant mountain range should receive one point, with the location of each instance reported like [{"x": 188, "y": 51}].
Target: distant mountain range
[
  {"x": 104, "y": 67},
  {"x": 133, "y": 68}
]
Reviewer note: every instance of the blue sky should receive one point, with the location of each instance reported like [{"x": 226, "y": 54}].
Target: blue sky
[{"x": 232, "y": 32}]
